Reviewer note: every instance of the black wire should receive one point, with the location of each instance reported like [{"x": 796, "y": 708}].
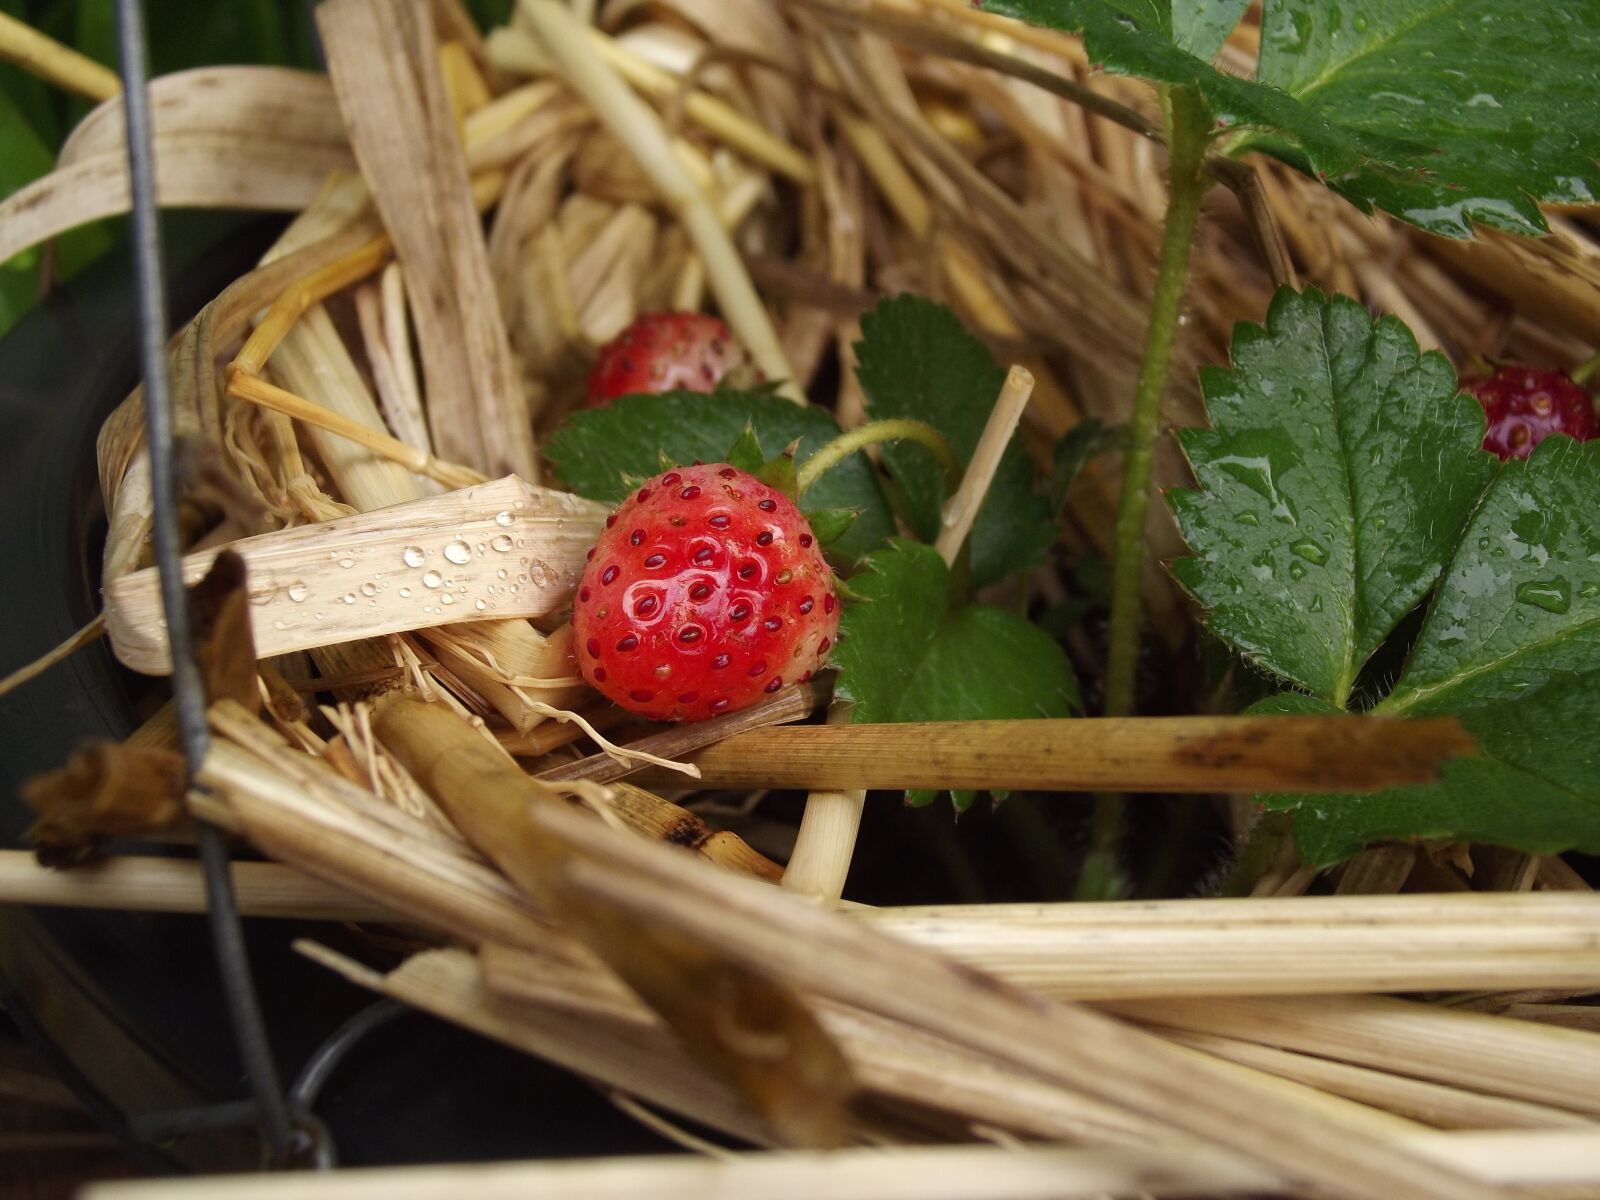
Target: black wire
[
  {"x": 327, "y": 1057},
  {"x": 188, "y": 688}
]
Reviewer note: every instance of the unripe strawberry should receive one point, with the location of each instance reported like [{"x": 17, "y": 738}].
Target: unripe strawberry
[
  {"x": 706, "y": 590},
  {"x": 668, "y": 351},
  {"x": 1525, "y": 405}
]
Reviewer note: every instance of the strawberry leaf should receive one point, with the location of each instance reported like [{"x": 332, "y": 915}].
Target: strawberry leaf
[
  {"x": 1143, "y": 38},
  {"x": 1521, "y": 600},
  {"x": 1085, "y": 441},
  {"x": 905, "y": 655},
  {"x": 1427, "y": 109},
  {"x": 1340, "y": 470},
  {"x": 917, "y": 360},
  {"x": 1459, "y": 75},
  {"x": 1510, "y": 645},
  {"x": 601, "y": 452}
]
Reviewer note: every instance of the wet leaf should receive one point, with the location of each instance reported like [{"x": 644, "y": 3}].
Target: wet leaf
[
  {"x": 917, "y": 360},
  {"x": 1433, "y": 111},
  {"x": 601, "y": 453},
  {"x": 906, "y": 656},
  {"x": 1511, "y": 646},
  {"x": 1340, "y": 468}
]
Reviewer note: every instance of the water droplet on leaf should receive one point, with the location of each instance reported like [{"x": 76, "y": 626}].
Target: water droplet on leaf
[
  {"x": 1552, "y": 595},
  {"x": 1313, "y": 552}
]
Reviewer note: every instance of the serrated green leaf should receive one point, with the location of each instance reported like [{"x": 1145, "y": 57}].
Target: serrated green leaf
[
  {"x": 1202, "y": 26},
  {"x": 917, "y": 360},
  {"x": 1511, "y": 646},
  {"x": 1506, "y": 98},
  {"x": 905, "y": 656},
  {"x": 599, "y": 450},
  {"x": 1340, "y": 469},
  {"x": 1433, "y": 110},
  {"x": 746, "y": 452},
  {"x": 1131, "y": 38},
  {"x": 1535, "y": 787},
  {"x": 1520, "y": 602},
  {"x": 1085, "y": 441}
]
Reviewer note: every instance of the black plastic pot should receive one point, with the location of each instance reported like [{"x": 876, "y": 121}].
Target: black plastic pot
[{"x": 126, "y": 1006}]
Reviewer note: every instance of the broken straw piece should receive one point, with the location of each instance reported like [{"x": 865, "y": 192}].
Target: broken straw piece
[{"x": 492, "y": 551}]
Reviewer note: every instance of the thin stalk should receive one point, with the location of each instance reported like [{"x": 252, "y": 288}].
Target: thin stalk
[
  {"x": 900, "y": 429},
  {"x": 49, "y": 60},
  {"x": 1187, "y": 135},
  {"x": 827, "y": 838}
]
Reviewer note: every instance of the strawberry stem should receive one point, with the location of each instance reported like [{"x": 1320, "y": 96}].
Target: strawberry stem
[
  {"x": 846, "y": 444},
  {"x": 1584, "y": 371},
  {"x": 1188, "y": 133}
]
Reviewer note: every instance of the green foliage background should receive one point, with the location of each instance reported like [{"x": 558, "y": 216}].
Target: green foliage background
[{"x": 35, "y": 118}]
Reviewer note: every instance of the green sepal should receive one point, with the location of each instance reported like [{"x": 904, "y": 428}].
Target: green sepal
[
  {"x": 746, "y": 453},
  {"x": 779, "y": 472},
  {"x": 844, "y": 591},
  {"x": 830, "y": 524}
]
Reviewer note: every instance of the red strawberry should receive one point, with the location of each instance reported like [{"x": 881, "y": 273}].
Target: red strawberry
[
  {"x": 668, "y": 351},
  {"x": 706, "y": 590},
  {"x": 1525, "y": 405}
]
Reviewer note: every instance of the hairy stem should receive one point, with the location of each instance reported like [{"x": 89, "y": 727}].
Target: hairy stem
[
  {"x": 847, "y": 444},
  {"x": 1187, "y": 136}
]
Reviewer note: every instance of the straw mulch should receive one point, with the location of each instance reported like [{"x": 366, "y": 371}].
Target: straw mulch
[{"x": 413, "y": 743}]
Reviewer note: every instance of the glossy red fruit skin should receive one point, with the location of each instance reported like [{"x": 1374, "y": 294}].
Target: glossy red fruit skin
[
  {"x": 664, "y": 352},
  {"x": 705, "y": 592},
  {"x": 1525, "y": 405}
]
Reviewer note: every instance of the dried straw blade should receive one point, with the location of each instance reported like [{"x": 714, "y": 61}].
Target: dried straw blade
[
  {"x": 637, "y": 127},
  {"x": 1520, "y": 1059},
  {"x": 1154, "y": 754},
  {"x": 1183, "y": 948},
  {"x": 269, "y": 145},
  {"x": 384, "y": 62},
  {"x": 25, "y": 47},
  {"x": 748, "y": 1029},
  {"x": 501, "y": 549},
  {"x": 1208, "y": 948},
  {"x": 151, "y": 884},
  {"x": 923, "y": 1173},
  {"x": 827, "y": 955}
]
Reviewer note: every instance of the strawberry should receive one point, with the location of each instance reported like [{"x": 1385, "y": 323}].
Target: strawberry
[
  {"x": 667, "y": 351},
  {"x": 1525, "y": 405},
  {"x": 706, "y": 590}
]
